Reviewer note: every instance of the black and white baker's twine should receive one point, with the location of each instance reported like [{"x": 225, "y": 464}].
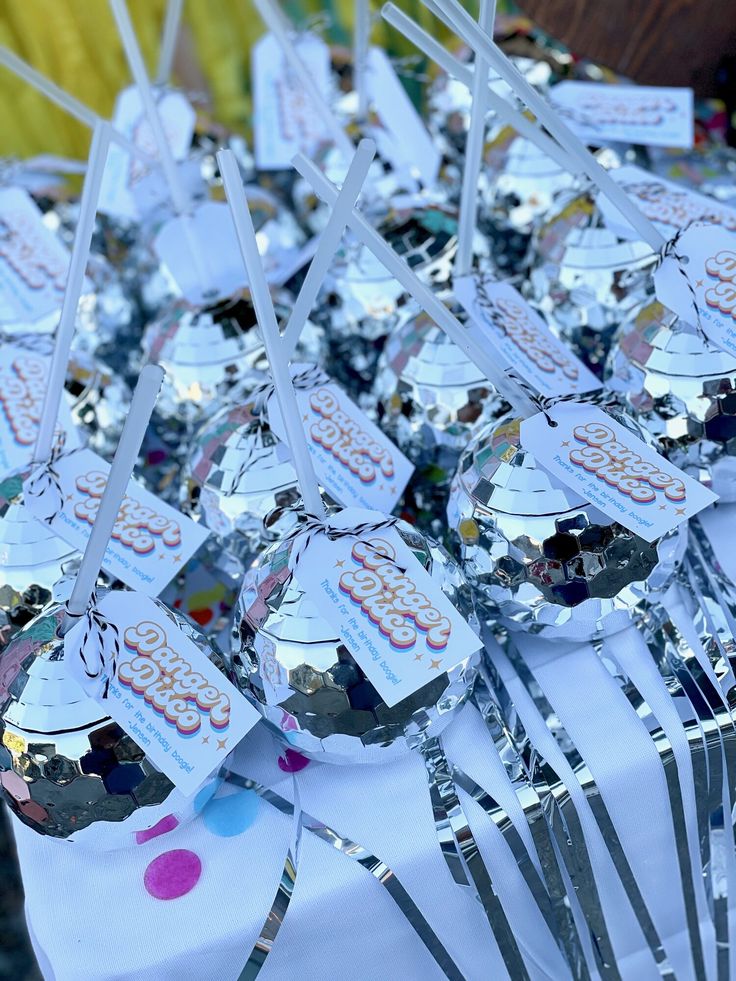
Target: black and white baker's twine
[
  {"x": 46, "y": 480},
  {"x": 545, "y": 403},
  {"x": 310, "y": 527},
  {"x": 99, "y": 648},
  {"x": 669, "y": 251},
  {"x": 310, "y": 377}
]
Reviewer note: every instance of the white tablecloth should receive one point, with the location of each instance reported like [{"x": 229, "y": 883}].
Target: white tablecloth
[{"x": 91, "y": 916}]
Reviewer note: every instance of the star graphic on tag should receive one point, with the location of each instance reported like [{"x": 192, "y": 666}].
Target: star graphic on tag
[
  {"x": 222, "y": 743},
  {"x": 435, "y": 665}
]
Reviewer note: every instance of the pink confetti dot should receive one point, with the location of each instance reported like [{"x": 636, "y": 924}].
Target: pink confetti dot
[
  {"x": 292, "y": 762},
  {"x": 172, "y": 874}
]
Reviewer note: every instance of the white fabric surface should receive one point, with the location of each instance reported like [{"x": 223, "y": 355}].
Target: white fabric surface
[{"x": 92, "y": 919}]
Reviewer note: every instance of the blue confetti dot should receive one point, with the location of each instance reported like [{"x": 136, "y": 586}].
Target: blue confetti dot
[
  {"x": 205, "y": 795},
  {"x": 231, "y": 815}
]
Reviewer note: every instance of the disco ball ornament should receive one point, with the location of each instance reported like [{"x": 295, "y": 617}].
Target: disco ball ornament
[
  {"x": 361, "y": 302},
  {"x": 36, "y": 566},
  {"x": 240, "y": 480},
  {"x": 381, "y": 185},
  {"x": 430, "y": 398},
  {"x": 542, "y": 559},
  {"x": 518, "y": 184},
  {"x": 682, "y": 389},
  {"x": 99, "y": 401},
  {"x": 107, "y": 315},
  {"x": 68, "y": 770},
  {"x": 449, "y": 102},
  {"x": 210, "y": 352},
  {"x": 307, "y": 685},
  {"x": 585, "y": 279}
]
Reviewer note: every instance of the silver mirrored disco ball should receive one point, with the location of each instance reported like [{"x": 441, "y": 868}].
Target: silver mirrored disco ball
[
  {"x": 382, "y": 183},
  {"x": 540, "y": 558},
  {"x": 361, "y": 302},
  {"x": 99, "y": 401},
  {"x": 307, "y": 685},
  {"x": 682, "y": 389},
  {"x": 584, "y": 278},
  {"x": 240, "y": 480},
  {"x": 210, "y": 352},
  {"x": 67, "y": 770},
  {"x": 449, "y": 102},
  {"x": 430, "y": 398},
  {"x": 107, "y": 313},
  {"x": 518, "y": 184},
  {"x": 36, "y": 566}
]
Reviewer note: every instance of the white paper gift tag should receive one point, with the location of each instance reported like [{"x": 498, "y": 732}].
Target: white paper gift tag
[
  {"x": 23, "y": 377},
  {"x": 393, "y": 618},
  {"x": 354, "y": 461},
  {"x": 201, "y": 252},
  {"x": 150, "y": 541},
  {"x": 700, "y": 285},
  {"x": 642, "y": 114},
  {"x": 33, "y": 262},
  {"x": 608, "y": 466},
  {"x": 671, "y": 207},
  {"x": 284, "y": 119},
  {"x": 400, "y": 134},
  {"x": 165, "y": 692},
  {"x": 123, "y": 171},
  {"x": 499, "y": 315}
]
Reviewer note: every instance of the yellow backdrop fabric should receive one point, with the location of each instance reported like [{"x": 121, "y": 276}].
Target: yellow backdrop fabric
[{"x": 74, "y": 43}]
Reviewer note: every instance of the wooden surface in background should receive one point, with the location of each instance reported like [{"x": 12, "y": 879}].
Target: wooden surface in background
[{"x": 654, "y": 42}]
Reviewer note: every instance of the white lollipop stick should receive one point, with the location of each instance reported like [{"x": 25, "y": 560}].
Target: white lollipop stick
[
  {"x": 140, "y": 77},
  {"x": 360, "y": 54},
  {"x": 273, "y": 19},
  {"x": 73, "y": 290},
  {"x": 329, "y": 242},
  {"x": 466, "y": 28},
  {"x": 88, "y": 117},
  {"x": 270, "y": 332},
  {"x": 136, "y": 423},
  {"x": 168, "y": 41},
  {"x": 473, "y": 150},
  {"x": 505, "y": 111},
  {"x": 486, "y": 360}
]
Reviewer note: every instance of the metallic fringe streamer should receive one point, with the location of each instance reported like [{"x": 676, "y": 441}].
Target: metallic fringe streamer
[
  {"x": 564, "y": 824},
  {"x": 463, "y": 856},
  {"x": 559, "y": 915},
  {"x": 602, "y": 818},
  {"x": 356, "y": 853},
  {"x": 710, "y": 734}
]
